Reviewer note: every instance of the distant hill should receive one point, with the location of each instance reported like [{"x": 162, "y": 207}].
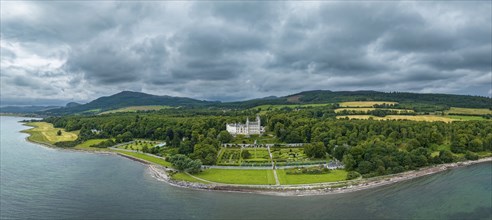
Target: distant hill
[
  {"x": 26, "y": 109},
  {"x": 126, "y": 99},
  {"x": 416, "y": 101},
  {"x": 72, "y": 104},
  {"x": 320, "y": 96}
]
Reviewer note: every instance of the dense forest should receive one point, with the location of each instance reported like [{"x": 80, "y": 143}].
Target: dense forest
[{"x": 368, "y": 147}]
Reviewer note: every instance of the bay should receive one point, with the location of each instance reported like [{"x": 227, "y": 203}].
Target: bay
[{"x": 45, "y": 183}]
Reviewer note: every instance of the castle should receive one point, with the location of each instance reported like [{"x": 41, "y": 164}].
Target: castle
[{"x": 246, "y": 129}]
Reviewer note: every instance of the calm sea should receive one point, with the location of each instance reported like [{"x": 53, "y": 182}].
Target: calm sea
[{"x": 43, "y": 183}]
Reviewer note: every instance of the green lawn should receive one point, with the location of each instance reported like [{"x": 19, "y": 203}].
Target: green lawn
[
  {"x": 186, "y": 177},
  {"x": 44, "y": 132},
  {"x": 250, "y": 177},
  {"x": 145, "y": 157},
  {"x": 87, "y": 145},
  {"x": 333, "y": 176}
]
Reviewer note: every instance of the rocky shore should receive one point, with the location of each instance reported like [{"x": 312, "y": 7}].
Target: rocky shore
[{"x": 161, "y": 173}]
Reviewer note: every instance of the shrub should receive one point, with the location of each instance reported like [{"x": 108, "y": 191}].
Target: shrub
[{"x": 352, "y": 175}]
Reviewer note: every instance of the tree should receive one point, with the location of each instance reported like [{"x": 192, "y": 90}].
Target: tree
[
  {"x": 59, "y": 133},
  {"x": 205, "y": 153},
  {"x": 245, "y": 154},
  {"x": 184, "y": 163},
  {"x": 315, "y": 150},
  {"x": 225, "y": 137}
]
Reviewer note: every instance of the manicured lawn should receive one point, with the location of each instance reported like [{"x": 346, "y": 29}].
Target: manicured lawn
[
  {"x": 333, "y": 176},
  {"x": 253, "y": 177},
  {"x": 469, "y": 111},
  {"x": 87, "y": 145},
  {"x": 148, "y": 158},
  {"x": 45, "y": 133},
  {"x": 365, "y": 103},
  {"x": 186, "y": 177}
]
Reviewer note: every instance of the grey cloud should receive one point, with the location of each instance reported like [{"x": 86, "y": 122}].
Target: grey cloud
[{"x": 241, "y": 50}]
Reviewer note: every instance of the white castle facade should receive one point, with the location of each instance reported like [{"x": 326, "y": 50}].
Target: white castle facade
[{"x": 251, "y": 127}]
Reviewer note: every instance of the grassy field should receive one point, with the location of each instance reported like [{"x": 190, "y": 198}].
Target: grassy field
[
  {"x": 466, "y": 117},
  {"x": 277, "y": 107},
  {"x": 186, "y": 177},
  {"x": 366, "y": 104},
  {"x": 139, "y": 144},
  {"x": 333, "y": 176},
  {"x": 87, "y": 145},
  {"x": 45, "y": 133},
  {"x": 148, "y": 158},
  {"x": 364, "y": 110},
  {"x": 250, "y": 177},
  {"x": 401, "y": 117},
  {"x": 469, "y": 111},
  {"x": 137, "y": 108}
]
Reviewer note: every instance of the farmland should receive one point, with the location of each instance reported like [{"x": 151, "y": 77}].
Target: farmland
[
  {"x": 469, "y": 111},
  {"x": 137, "y": 108},
  {"x": 365, "y": 104},
  {"x": 430, "y": 118},
  {"x": 364, "y": 110}
]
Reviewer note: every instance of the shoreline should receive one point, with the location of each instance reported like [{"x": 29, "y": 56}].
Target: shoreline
[
  {"x": 328, "y": 188},
  {"x": 162, "y": 173}
]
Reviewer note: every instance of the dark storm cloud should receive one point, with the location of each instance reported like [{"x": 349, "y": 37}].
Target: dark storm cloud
[{"x": 240, "y": 50}]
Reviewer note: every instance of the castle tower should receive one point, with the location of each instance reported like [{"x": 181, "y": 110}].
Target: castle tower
[{"x": 247, "y": 126}]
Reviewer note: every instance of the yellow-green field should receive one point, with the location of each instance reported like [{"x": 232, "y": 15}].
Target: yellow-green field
[
  {"x": 469, "y": 111},
  {"x": 45, "y": 133},
  {"x": 277, "y": 107},
  {"x": 371, "y": 109},
  {"x": 466, "y": 117},
  {"x": 365, "y": 103},
  {"x": 137, "y": 108},
  {"x": 86, "y": 145},
  {"x": 333, "y": 176},
  {"x": 233, "y": 176},
  {"x": 401, "y": 117}
]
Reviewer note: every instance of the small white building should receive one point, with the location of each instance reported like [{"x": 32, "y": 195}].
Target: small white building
[{"x": 246, "y": 129}]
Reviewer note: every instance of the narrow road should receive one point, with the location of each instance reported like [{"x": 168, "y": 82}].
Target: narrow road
[{"x": 273, "y": 167}]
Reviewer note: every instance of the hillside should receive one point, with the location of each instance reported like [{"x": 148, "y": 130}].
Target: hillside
[
  {"x": 126, "y": 99},
  {"x": 415, "y": 101}
]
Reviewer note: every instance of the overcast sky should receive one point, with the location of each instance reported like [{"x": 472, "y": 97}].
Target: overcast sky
[{"x": 55, "y": 52}]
